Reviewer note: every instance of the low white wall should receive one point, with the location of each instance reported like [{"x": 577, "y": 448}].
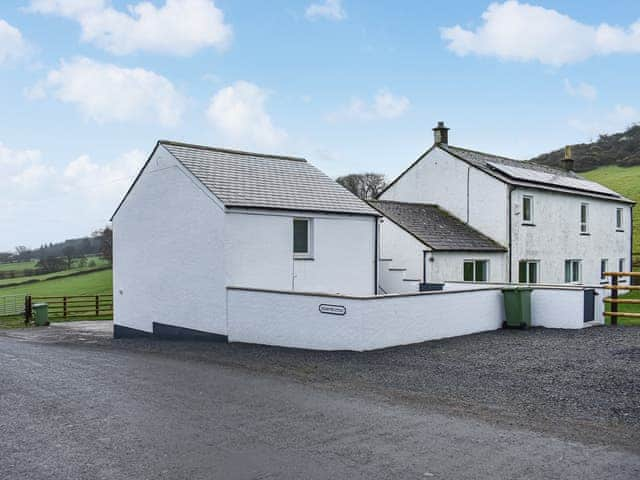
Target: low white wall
[{"x": 295, "y": 319}]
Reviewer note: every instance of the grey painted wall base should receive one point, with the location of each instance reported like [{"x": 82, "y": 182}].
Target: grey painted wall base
[
  {"x": 160, "y": 330},
  {"x": 120, "y": 331}
]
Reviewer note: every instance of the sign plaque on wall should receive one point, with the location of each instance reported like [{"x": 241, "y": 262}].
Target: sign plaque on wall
[{"x": 332, "y": 309}]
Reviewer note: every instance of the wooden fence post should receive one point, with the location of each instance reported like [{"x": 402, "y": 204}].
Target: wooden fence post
[
  {"x": 64, "y": 307},
  {"x": 28, "y": 314},
  {"x": 97, "y": 305},
  {"x": 614, "y": 297}
]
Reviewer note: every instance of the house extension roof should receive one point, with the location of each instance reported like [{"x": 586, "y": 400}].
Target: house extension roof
[
  {"x": 255, "y": 180},
  {"x": 435, "y": 227},
  {"x": 524, "y": 173}
]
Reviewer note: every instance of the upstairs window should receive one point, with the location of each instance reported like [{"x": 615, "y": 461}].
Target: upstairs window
[
  {"x": 604, "y": 265},
  {"x": 573, "y": 271},
  {"x": 528, "y": 271},
  {"x": 301, "y": 237},
  {"x": 584, "y": 218},
  {"x": 527, "y": 209},
  {"x": 619, "y": 219},
  {"x": 476, "y": 270}
]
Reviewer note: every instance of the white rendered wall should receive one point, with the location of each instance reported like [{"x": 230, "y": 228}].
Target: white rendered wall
[
  {"x": 441, "y": 179},
  {"x": 556, "y": 235},
  {"x": 399, "y": 249},
  {"x": 168, "y": 264},
  {"x": 259, "y": 252},
  {"x": 449, "y": 266},
  {"x": 294, "y": 320}
]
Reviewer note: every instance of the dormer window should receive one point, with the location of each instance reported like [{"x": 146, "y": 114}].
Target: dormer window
[{"x": 527, "y": 209}]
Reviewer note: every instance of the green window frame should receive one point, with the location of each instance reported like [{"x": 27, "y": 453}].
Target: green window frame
[
  {"x": 476, "y": 271},
  {"x": 529, "y": 271}
]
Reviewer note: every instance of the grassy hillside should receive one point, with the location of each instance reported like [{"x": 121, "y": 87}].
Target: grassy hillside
[
  {"x": 625, "y": 180},
  {"x": 622, "y": 149},
  {"x": 89, "y": 284}
]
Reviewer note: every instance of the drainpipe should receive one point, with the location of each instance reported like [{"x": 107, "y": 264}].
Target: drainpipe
[
  {"x": 511, "y": 188},
  {"x": 376, "y": 254},
  {"x": 468, "y": 174}
]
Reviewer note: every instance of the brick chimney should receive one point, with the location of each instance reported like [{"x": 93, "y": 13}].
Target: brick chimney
[
  {"x": 441, "y": 134},
  {"x": 567, "y": 161}
]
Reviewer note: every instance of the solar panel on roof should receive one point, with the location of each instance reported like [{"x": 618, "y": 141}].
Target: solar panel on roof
[{"x": 552, "y": 179}]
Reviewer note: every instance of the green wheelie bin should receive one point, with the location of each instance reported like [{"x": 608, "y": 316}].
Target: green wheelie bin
[
  {"x": 41, "y": 314},
  {"x": 517, "y": 307}
]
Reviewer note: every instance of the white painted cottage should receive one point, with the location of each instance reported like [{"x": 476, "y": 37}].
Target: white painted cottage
[
  {"x": 461, "y": 215},
  {"x": 199, "y": 219}
]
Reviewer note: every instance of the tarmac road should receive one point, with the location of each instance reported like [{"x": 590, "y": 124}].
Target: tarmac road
[{"x": 75, "y": 411}]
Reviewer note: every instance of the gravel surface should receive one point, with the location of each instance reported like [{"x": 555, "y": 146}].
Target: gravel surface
[{"x": 579, "y": 385}]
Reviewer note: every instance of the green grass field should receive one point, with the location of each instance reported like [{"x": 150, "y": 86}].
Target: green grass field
[
  {"x": 94, "y": 283},
  {"x": 19, "y": 266}
]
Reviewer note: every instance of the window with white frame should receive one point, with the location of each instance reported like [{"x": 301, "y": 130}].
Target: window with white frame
[
  {"x": 619, "y": 219},
  {"x": 302, "y": 237},
  {"x": 527, "y": 209},
  {"x": 584, "y": 218},
  {"x": 528, "y": 271},
  {"x": 621, "y": 264},
  {"x": 476, "y": 270},
  {"x": 604, "y": 266},
  {"x": 573, "y": 271}
]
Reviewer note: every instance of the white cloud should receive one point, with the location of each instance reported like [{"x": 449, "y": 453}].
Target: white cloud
[
  {"x": 47, "y": 201},
  {"x": 617, "y": 120},
  {"x": 385, "y": 105},
  {"x": 106, "y": 92},
  {"x": 12, "y": 44},
  {"x": 581, "y": 89},
  {"x": 179, "y": 27},
  {"x": 238, "y": 112},
  {"x": 102, "y": 183},
  {"x": 330, "y": 10},
  {"x": 524, "y": 32}
]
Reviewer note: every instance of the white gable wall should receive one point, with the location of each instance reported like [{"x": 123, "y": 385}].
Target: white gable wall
[
  {"x": 259, "y": 252},
  {"x": 466, "y": 192},
  {"x": 168, "y": 252},
  {"x": 556, "y": 235}
]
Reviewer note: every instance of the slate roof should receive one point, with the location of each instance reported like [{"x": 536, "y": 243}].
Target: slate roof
[
  {"x": 243, "y": 179},
  {"x": 436, "y": 227},
  {"x": 523, "y": 172}
]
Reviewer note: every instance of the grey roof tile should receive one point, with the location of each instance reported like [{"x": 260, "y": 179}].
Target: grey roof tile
[
  {"x": 242, "y": 179},
  {"x": 436, "y": 227},
  {"x": 523, "y": 172}
]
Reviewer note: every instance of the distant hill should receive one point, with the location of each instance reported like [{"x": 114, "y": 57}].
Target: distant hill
[{"x": 621, "y": 149}]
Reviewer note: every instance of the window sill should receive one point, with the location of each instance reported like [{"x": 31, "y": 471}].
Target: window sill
[
  {"x": 585, "y": 234},
  {"x": 528, "y": 224},
  {"x": 620, "y": 230},
  {"x": 303, "y": 258}
]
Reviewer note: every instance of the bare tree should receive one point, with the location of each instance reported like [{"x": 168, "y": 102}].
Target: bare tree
[{"x": 363, "y": 185}]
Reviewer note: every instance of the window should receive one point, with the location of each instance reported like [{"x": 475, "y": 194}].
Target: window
[
  {"x": 619, "y": 219},
  {"x": 528, "y": 271},
  {"x": 572, "y": 271},
  {"x": 527, "y": 209},
  {"x": 584, "y": 218},
  {"x": 476, "y": 270},
  {"x": 301, "y": 237},
  {"x": 604, "y": 265},
  {"x": 621, "y": 265}
]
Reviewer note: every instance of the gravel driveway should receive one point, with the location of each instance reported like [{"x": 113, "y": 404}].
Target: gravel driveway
[{"x": 580, "y": 385}]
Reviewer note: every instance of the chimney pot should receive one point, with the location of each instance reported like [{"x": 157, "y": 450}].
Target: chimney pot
[
  {"x": 567, "y": 162},
  {"x": 441, "y": 134}
]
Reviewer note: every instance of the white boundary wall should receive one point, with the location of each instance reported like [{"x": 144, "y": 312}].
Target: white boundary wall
[{"x": 294, "y": 319}]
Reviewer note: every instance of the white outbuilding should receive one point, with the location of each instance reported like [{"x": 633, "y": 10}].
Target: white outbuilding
[{"x": 199, "y": 219}]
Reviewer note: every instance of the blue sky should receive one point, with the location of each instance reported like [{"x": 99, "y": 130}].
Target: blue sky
[{"x": 88, "y": 86}]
